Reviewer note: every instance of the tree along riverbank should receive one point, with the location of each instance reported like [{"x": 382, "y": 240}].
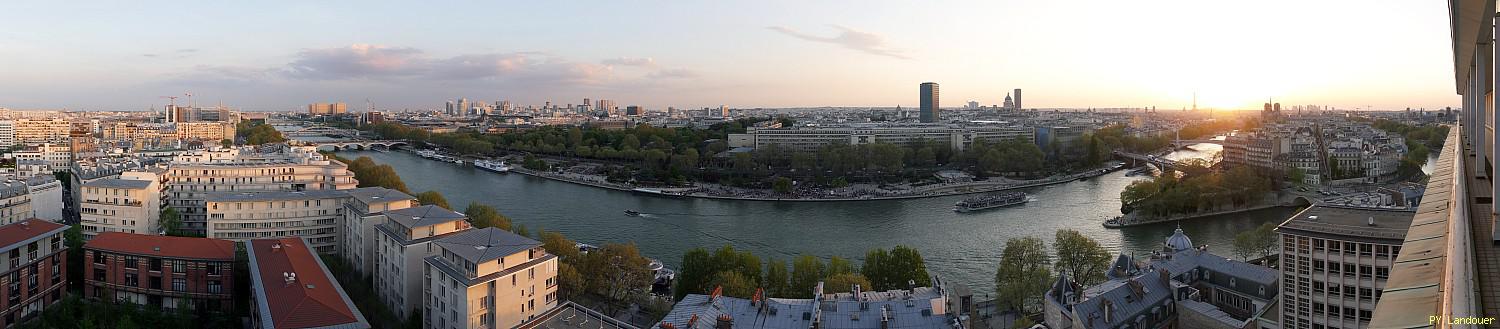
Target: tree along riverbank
[{"x": 855, "y": 192}]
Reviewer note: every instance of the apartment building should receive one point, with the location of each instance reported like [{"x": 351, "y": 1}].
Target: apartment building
[
  {"x": 314, "y": 214},
  {"x": 203, "y": 131},
  {"x": 46, "y": 194},
  {"x": 55, "y": 156},
  {"x": 192, "y": 176},
  {"x": 362, "y": 212},
  {"x": 161, "y": 271},
  {"x": 403, "y": 241},
  {"x": 290, "y": 287},
  {"x": 15, "y": 202},
  {"x": 120, "y": 205},
  {"x": 35, "y": 275},
  {"x": 1335, "y": 262},
  {"x": 487, "y": 278},
  {"x": 38, "y": 131}
]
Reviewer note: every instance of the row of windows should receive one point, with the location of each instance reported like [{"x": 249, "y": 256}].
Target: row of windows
[
  {"x": 155, "y": 264},
  {"x": 155, "y": 282}
]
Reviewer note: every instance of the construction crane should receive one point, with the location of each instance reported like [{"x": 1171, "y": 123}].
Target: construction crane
[
  {"x": 189, "y": 97},
  {"x": 173, "y": 100}
]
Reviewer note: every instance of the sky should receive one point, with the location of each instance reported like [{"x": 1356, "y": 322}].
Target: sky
[{"x": 274, "y": 55}]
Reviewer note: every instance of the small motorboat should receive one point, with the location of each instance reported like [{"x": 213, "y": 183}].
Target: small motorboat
[{"x": 632, "y": 213}]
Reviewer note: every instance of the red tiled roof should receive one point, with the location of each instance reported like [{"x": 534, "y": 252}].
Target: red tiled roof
[
  {"x": 163, "y": 246},
  {"x": 312, "y": 300},
  {"x": 20, "y": 231}
]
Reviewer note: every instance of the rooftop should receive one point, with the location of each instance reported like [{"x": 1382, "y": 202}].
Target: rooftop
[
  {"x": 119, "y": 183},
  {"x": 423, "y": 216},
  {"x": 293, "y": 289},
  {"x": 1372, "y": 225},
  {"x": 480, "y": 245},
  {"x": 910, "y": 310},
  {"x": 378, "y": 194},
  {"x": 273, "y": 195},
  {"x": 27, "y": 230},
  {"x": 569, "y": 315},
  {"x": 163, "y": 246}
]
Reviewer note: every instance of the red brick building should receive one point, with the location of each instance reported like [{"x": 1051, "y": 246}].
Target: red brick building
[
  {"x": 290, "y": 287},
  {"x": 33, "y": 273},
  {"x": 163, "y": 271}
]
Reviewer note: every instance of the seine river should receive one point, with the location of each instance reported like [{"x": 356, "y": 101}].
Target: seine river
[{"x": 964, "y": 248}]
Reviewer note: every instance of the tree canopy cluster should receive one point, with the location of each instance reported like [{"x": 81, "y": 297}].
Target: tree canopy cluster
[
  {"x": 371, "y": 174},
  {"x": 615, "y": 272},
  {"x": 1262, "y": 241},
  {"x": 740, "y": 273},
  {"x": 1025, "y": 274},
  {"x": 1168, "y": 194},
  {"x": 258, "y": 133},
  {"x": 483, "y": 215}
]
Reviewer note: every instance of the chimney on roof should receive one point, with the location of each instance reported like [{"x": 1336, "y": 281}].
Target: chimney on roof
[
  {"x": 665, "y": 325},
  {"x": 725, "y": 322}
]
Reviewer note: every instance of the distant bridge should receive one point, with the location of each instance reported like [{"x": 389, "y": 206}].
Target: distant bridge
[
  {"x": 357, "y": 144},
  {"x": 1181, "y": 143},
  {"x": 1162, "y": 162}
]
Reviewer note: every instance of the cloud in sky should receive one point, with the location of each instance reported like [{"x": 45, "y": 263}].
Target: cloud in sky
[
  {"x": 866, "y": 42},
  {"x": 180, "y": 53},
  {"x": 631, "y": 61}
]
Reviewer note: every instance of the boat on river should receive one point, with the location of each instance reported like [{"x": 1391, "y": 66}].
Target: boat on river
[
  {"x": 492, "y": 166},
  {"x": 632, "y": 213},
  {"x": 1004, "y": 199}
]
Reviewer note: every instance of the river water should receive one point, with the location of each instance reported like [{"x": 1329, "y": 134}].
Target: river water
[{"x": 965, "y": 248}]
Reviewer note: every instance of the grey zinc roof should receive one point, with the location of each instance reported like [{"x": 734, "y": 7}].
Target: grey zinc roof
[
  {"x": 119, "y": 183},
  {"x": 378, "y": 194},
  {"x": 480, "y": 245},
  {"x": 1184, "y": 261},
  {"x": 422, "y": 216},
  {"x": 844, "y": 313},
  {"x": 272, "y": 195},
  {"x": 1155, "y": 291}
]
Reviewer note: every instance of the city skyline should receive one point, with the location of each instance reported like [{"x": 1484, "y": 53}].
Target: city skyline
[{"x": 262, "y": 57}]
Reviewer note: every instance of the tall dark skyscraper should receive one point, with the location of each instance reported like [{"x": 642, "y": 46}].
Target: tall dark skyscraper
[{"x": 929, "y": 102}]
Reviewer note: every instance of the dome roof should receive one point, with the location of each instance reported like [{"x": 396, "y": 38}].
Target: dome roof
[{"x": 1179, "y": 241}]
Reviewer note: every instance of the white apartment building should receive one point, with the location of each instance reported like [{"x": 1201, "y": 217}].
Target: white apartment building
[
  {"x": 809, "y": 139},
  {"x": 362, "y": 212},
  {"x": 120, "y": 205},
  {"x": 15, "y": 202},
  {"x": 194, "y": 175},
  {"x": 403, "y": 241},
  {"x": 1335, "y": 262},
  {"x": 241, "y": 216},
  {"x": 37, "y": 131},
  {"x": 487, "y": 278},
  {"x": 7, "y": 133},
  {"x": 204, "y": 131},
  {"x": 46, "y": 194},
  {"x": 55, "y": 156}
]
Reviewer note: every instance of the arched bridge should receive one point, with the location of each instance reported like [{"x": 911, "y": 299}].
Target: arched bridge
[
  {"x": 358, "y": 144},
  {"x": 1181, "y": 143}
]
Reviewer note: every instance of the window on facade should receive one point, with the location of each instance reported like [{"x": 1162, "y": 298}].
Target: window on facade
[
  {"x": 213, "y": 269},
  {"x": 214, "y": 287},
  {"x": 130, "y": 262},
  {"x": 179, "y": 266},
  {"x": 179, "y": 284},
  {"x": 132, "y": 280},
  {"x": 98, "y": 274},
  {"x": 98, "y": 256},
  {"x": 156, "y": 264},
  {"x": 155, "y": 282}
]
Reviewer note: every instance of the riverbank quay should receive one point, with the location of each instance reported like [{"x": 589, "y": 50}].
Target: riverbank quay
[{"x": 858, "y": 192}]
